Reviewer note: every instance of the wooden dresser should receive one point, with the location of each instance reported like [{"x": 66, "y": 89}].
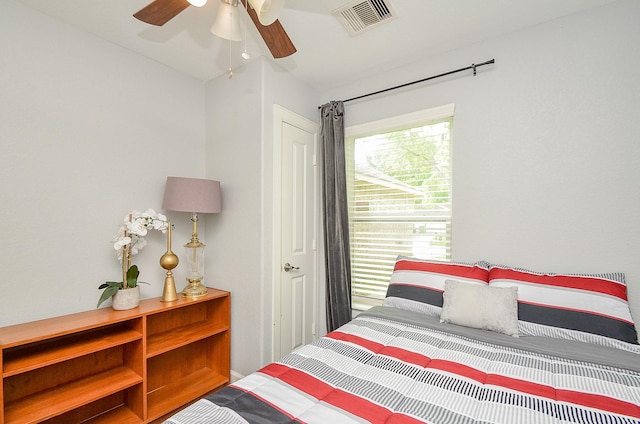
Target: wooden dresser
[{"x": 107, "y": 366}]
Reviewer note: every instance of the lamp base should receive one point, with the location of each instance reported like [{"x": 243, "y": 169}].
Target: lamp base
[{"x": 195, "y": 289}]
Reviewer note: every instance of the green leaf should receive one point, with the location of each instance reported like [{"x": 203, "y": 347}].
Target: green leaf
[
  {"x": 132, "y": 276},
  {"x": 108, "y": 292},
  {"x": 112, "y": 287},
  {"x": 117, "y": 284}
]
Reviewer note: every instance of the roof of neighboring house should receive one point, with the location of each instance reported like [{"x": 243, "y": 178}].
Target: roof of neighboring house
[{"x": 374, "y": 176}]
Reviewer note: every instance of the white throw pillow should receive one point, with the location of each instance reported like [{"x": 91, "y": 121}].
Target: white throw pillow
[{"x": 475, "y": 306}]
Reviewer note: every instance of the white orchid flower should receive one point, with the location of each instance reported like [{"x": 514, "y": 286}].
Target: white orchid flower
[
  {"x": 149, "y": 213},
  {"x": 160, "y": 223},
  {"x": 120, "y": 242},
  {"x": 135, "y": 226},
  {"x": 138, "y": 227}
]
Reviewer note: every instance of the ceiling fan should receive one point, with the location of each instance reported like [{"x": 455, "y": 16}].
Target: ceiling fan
[{"x": 159, "y": 12}]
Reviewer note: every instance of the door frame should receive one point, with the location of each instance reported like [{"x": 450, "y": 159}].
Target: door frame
[{"x": 280, "y": 116}]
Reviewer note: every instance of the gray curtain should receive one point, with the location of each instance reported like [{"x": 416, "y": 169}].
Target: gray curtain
[{"x": 336, "y": 221}]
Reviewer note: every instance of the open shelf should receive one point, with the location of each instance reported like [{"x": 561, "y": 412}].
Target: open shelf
[
  {"x": 48, "y": 403},
  {"x": 115, "y": 408},
  {"x": 178, "y": 337},
  {"x": 120, "y": 415},
  {"x": 183, "y": 390},
  {"x": 36, "y": 355},
  {"x": 185, "y": 373}
]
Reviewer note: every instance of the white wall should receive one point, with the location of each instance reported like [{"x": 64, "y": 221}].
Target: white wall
[
  {"x": 545, "y": 158},
  {"x": 88, "y": 132},
  {"x": 239, "y": 153},
  {"x": 233, "y": 238},
  {"x": 546, "y": 148}
]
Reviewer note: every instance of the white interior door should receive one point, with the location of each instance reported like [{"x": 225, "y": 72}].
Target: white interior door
[{"x": 296, "y": 286}]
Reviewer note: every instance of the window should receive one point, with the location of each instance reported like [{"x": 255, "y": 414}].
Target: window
[{"x": 399, "y": 190}]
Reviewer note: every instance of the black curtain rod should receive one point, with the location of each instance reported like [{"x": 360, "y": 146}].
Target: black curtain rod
[{"x": 473, "y": 66}]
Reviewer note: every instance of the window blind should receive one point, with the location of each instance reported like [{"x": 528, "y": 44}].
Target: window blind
[{"x": 399, "y": 190}]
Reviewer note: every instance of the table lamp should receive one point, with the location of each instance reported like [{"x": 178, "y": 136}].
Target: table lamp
[{"x": 196, "y": 196}]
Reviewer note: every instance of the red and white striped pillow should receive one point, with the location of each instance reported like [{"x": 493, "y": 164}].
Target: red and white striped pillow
[
  {"x": 418, "y": 284},
  {"x": 585, "y": 307}
]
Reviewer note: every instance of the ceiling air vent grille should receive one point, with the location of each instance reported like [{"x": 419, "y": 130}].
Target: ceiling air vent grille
[{"x": 359, "y": 15}]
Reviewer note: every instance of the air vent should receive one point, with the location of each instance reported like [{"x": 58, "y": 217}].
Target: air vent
[{"x": 359, "y": 15}]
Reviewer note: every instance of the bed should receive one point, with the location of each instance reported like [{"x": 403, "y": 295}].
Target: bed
[{"x": 434, "y": 353}]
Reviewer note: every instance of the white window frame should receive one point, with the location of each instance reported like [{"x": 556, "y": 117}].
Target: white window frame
[{"x": 384, "y": 125}]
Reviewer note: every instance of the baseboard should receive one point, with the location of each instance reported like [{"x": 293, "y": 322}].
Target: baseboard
[{"x": 235, "y": 376}]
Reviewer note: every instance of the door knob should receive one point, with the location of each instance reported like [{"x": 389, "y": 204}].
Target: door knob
[{"x": 288, "y": 267}]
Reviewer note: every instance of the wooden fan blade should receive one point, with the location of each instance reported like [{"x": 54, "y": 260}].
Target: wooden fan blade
[
  {"x": 274, "y": 36},
  {"x": 159, "y": 12}
]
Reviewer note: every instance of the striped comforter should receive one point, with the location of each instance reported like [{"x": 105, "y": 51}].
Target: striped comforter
[{"x": 392, "y": 366}]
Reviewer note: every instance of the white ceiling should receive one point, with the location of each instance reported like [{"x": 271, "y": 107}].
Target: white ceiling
[{"x": 327, "y": 55}]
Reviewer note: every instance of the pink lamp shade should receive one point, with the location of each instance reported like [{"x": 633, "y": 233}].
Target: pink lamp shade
[{"x": 192, "y": 195}]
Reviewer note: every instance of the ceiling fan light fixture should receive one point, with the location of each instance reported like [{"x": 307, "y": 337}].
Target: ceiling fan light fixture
[
  {"x": 267, "y": 10},
  {"x": 197, "y": 3},
  {"x": 227, "y": 22}
]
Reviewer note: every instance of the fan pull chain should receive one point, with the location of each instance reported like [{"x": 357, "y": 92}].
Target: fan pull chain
[
  {"x": 245, "y": 55},
  {"x": 230, "y": 42},
  {"x": 230, "y": 71}
]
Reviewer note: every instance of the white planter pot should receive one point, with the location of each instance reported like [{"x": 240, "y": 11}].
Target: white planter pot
[{"x": 126, "y": 299}]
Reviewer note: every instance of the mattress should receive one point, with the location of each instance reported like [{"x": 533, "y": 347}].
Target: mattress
[{"x": 396, "y": 366}]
